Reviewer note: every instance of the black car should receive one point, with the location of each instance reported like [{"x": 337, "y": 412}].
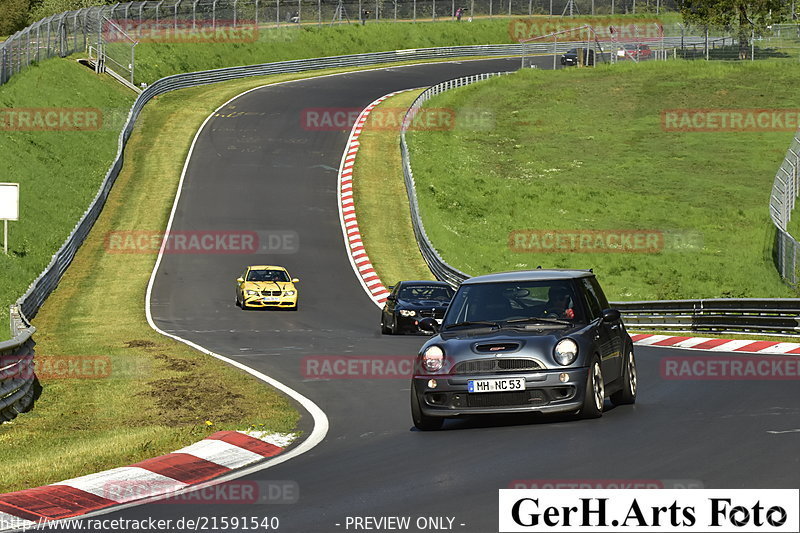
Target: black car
[
  {"x": 541, "y": 340},
  {"x": 411, "y": 301},
  {"x": 570, "y": 58}
]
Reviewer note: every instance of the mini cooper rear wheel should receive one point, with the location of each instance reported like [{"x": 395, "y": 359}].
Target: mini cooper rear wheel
[
  {"x": 421, "y": 421},
  {"x": 630, "y": 383},
  {"x": 595, "y": 391}
]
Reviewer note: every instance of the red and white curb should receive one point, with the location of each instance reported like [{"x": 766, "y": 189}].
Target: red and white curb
[
  {"x": 375, "y": 289},
  {"x": 210, "y": 458},
  {"x": 359, "y": 259},
  {"x": 717, "y": 345}
]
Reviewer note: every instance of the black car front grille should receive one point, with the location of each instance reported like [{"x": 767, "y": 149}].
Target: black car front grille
[
  {"x": 432, "y": 313},
  {"x": 488, "y": 366},
  {"x": 270, "y": 293},
  {"x": 506, "y": 399}
]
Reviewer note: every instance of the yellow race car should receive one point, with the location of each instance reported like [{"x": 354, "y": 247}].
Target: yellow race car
[{"x": 266, "y": 286}]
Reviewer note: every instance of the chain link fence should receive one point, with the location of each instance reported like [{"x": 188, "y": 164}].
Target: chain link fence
[
  {"x": 114, "y": 29},
  {"x": 781, "y": 204}
]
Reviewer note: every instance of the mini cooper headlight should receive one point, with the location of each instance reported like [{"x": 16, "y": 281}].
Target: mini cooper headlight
[
  {"x": 252, "y": 293},
  {"x": 433, "y": 359},
  {"x": 408, "y": 312},
  {"x": 565, "y": 352},
  {"x": 288, "y": 293}
]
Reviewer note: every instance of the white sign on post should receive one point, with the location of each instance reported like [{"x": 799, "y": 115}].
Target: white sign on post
[{"x": 9, "y": 208}]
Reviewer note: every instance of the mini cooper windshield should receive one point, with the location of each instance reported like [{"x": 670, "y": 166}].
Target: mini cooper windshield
[{"x": 514, "y": 303}]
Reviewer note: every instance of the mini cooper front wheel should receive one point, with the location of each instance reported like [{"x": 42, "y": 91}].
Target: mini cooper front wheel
[
  {"x": 630, "y": 383},
  {"x": 595, "y": 391},
  {"x": 422, "y": 421}
]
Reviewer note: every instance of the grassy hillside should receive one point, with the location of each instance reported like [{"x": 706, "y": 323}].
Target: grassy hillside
[
  {"x": 583, "y": 150},
  {"x": 59, "y": 171},
  {"x": 157, "y": 59}
]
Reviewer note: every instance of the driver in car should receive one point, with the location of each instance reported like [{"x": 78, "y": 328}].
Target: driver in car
[{"x": 558, "y": 303}]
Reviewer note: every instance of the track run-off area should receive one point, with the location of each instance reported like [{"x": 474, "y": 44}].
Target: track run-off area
[{"x": 256, "y": 166}]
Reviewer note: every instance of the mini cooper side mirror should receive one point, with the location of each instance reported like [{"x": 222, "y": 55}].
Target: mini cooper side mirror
[
  {"x": 429, "y": 324},
  {"x": 391, "y": 298},
  {"x": 239, "y": 280},
  {"x": 611, "y": 315}
]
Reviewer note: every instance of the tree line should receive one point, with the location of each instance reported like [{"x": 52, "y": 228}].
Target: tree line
[{"x": 18, "y": 14}]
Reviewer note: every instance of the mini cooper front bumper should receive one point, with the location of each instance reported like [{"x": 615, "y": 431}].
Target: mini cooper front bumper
[{"x": 546, "y": 391}]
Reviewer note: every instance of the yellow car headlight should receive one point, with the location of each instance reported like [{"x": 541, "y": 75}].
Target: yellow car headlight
[
  {"x": 252, "y": 293},
  {"x": 288, "y": 293}
]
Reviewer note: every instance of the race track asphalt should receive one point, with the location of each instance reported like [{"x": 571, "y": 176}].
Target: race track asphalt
[{"x": 256, "y": 168}]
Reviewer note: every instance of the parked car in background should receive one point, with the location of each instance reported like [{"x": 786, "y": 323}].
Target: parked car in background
[
  {"x": 635, "y": 51},
  {"x": 411, "y": 301},
  {"x": 541, "y": 340},
  {"x": 576, "y": 55}
]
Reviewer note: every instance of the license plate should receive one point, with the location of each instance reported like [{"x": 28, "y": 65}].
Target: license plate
[
  {"x": 271, "y": 299},
  {"x": 496, "y": 385}
]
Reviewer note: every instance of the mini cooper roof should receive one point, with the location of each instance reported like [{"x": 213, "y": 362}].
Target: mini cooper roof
[
  {"x": 550, "y": 274},
  {"x": 423, "y": 282}
]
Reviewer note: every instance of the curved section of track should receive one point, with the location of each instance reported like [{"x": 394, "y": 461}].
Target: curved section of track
[{"x": 256, "y": 168}]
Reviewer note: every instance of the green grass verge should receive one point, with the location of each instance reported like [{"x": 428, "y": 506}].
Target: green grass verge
[
  {"x": 583, "y": 149},
  {"x": 160, "y": 393},
  {"x": 59, "y": 172},
  {"x": 157, "y": 59},
  {"x": 377, "y": 183}
]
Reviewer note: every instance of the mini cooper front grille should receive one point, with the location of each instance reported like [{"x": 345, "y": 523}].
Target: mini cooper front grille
[
  {"x": 506, "y": 399},
  {"x": 487, "y": 366},
  {"x": 270, "y": 293},
  {"x": 497, "y": 347}
]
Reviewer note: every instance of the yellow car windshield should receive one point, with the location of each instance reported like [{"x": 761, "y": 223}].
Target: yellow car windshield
[{"x": 267, "y": 275}]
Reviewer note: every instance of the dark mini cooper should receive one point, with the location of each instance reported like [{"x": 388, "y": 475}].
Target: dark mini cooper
[
  {"x": 541, "y": 340},
  {"x": 411, "y": 301}
]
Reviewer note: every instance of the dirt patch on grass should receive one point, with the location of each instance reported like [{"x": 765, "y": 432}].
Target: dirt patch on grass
[
  {"x": 190, "y": 399},
  {"x": 176, "y": 364},
  {"x": 139, "y": 344}
]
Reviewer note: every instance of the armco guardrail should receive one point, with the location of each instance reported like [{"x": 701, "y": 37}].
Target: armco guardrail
[
  {"x": 438, "y": 266},
  {"x": 775, "y": 316},
  {"x": 767, "y": 316},
  {"x": 16, "y": 375}
]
